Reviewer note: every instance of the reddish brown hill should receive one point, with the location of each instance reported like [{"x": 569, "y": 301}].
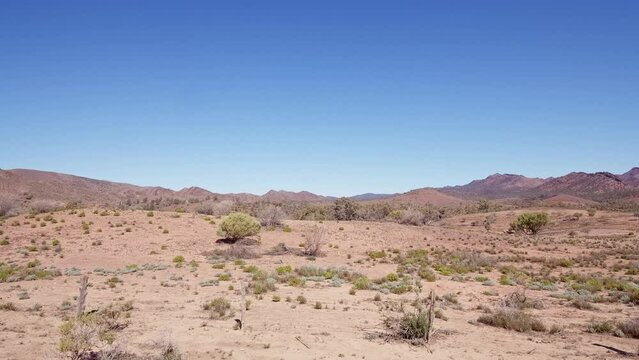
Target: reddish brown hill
[
  {"x": 34, "y": 184},
  {"x": 426, "y": 196},
  {"x": 495, "y": 186},
  {"x": 584, "y": 184},
  {"x": 631, "y": 177},
  {"x": 564, "y": 199},
  {"x": 196, "y": 192}
]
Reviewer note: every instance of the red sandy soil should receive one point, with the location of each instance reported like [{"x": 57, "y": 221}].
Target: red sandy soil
[{"x": 169, "y": 301}]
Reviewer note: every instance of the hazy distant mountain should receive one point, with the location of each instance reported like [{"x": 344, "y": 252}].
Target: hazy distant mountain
[
  {"x": 495, "y": 186},
  {"x": 371, "y": 196},
  {"x": 282, "y": 195},
  {"x": 426, "y": 196},
  {"x": 576, "y": 187}
]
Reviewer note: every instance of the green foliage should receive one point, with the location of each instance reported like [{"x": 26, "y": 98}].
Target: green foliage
[
  {"x": 344, "y": 209},
  {"x": 238, "y": 225},
  {"x": 530, "y": 223},
  {"x": 414, "y": 325},
  {"x": 11, "y": 272},
  {"x": 218, "y": 307},
  {"x": 377, "y": 254},
  {"x": 82, "y": 335},
  {"x": 361, "y": 283},
  {"x": 281, "y": 270}
]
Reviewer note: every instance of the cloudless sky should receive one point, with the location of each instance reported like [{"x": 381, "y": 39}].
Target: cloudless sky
[{"x": 334, "y": 97}]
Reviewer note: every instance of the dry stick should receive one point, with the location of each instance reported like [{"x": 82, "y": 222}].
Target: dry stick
[
  {"x": 84, "y": 284},
  {"x": 243, "y": 305},
  {"x": 431, "y": 315},
  {"x": 300, "y": 340}
]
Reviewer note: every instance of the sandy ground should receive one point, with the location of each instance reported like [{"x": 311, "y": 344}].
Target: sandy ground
[{"x": 168, "y": 303}]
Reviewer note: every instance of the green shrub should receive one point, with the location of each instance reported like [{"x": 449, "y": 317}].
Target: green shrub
[
  {"x": 427, "y": 274},
  {"x": 224, "y": 277},
  {"x": 599, "y": 327},
  {"x": 238, "y": 225},
  {"x": 218, "y": 307},
  {"x": 345, "y": 209},
  {"x": 530, "y": 223},
  {"x": 414, "y": 325},
  {"x": 361, "y": 283},
  {"x": 281, "y": 270}
]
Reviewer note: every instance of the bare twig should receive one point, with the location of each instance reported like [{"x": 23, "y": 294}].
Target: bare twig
[
  {"x": 431, "y": 315},
  {"x": 301, "y": 342},
  {"x": 84, "y": 284},
  {"x": 243, "y": 306}
]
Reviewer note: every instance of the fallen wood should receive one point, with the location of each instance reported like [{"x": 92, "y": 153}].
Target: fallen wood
[{"x": 300, "y": 340}]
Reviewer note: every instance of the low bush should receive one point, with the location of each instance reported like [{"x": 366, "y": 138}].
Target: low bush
[
  {"x": 512, "y": 319},
  {"x": 217, "y": 307},
  {"x": 238, "y": 225},
  {"x": 314, "y": 240},
  {"x": 530, "y": 223},
  {"x": 630, "y": 328}
]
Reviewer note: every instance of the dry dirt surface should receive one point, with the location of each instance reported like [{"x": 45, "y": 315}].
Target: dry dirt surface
[{"x": 578, "y": 277}]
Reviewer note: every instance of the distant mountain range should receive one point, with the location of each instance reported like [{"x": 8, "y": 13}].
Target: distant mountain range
[{"x": 575, "y": 187}]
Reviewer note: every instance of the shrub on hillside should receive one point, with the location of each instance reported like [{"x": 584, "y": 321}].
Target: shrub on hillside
[
  {"x": 345, "y": 209},
  {"x": 530, "y": 223},
  {"x": 42, "y": 206},
  {"x": 412, "y": 217},
  {"x": 374, "y": 211},
  {"x": 7, "y": 204},
  {"x": 314, "y": 212},
  {"x": 238, "y": 225},
  {"x": 271, "y": 215}
]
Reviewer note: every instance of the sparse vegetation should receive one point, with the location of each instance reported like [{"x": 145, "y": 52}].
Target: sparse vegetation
[
  {"x": 314, "y": 241},
  {"x": 512, "y": 319}
]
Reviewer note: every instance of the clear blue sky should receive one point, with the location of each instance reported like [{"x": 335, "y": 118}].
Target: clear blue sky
[{"x": 334, "y": 97}]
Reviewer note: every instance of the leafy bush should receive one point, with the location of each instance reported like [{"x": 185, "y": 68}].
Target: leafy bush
[
  {"x": 345, "y": 209},
  {"x": 414, "y": 325},
  {"x": 238, "y": 225},
  {"x": 530, "y": 223}
]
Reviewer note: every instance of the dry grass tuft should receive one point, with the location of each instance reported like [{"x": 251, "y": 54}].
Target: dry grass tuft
[
  {"x": 512, "y": 319},
  {"x": 315, "y": 240}
]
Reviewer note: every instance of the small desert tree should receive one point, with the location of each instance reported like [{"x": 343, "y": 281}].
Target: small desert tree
[
  {"x": 345, "y": 209},
  {"x": 238, "y": 225},
  {"x": 314, "y": 240},
  {"x": 271, "y": 215},
  {"x": 6, "y": 205},
  {"x": 530, "y": 223}
]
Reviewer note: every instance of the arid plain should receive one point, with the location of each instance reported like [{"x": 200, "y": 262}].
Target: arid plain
[{"x": 576, "y": 280}]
